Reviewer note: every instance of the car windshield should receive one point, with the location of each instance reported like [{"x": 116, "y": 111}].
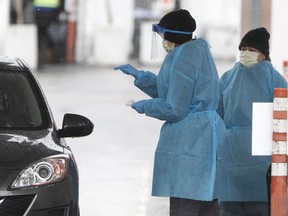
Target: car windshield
[{"x": 19, "y": 106}]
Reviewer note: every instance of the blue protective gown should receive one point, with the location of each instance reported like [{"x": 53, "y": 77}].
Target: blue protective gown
[
  {"x": 185, "y": 95},
  {"x": 243, "y": 176}
]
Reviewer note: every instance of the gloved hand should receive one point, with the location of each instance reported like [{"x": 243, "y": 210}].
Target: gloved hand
[
  {"x": 128, "y": 69},
  {"x": 139, "y": 106}
]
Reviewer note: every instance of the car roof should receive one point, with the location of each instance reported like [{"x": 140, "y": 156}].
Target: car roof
[{"x": 15, "y": 64}]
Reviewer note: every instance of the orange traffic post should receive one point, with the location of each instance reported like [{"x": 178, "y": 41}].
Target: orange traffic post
[
  {"x": 71, "y": 31},
  {"x": 279, "y": 154},
  {"x": 70, "y": 45}
]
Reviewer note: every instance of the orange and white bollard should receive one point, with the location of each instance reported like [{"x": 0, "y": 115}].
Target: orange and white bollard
[{"x": 279, "y": 154}]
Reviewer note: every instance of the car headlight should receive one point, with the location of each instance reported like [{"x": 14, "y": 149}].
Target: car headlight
[{"x": 45, "y": 171}]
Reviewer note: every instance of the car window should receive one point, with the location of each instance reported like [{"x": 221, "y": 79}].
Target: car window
[{"x": 19, "y": 106}]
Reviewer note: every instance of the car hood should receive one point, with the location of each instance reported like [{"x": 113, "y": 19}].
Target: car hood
[{"x": 18, "y": 150}]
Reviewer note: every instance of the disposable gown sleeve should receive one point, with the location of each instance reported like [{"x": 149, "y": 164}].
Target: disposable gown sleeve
[
  {"x": 148, "y": 84},
  {"x": 220, "y": 108},
  {"x": 176, "y": 105},
  {"x": 279, "y": 81}
]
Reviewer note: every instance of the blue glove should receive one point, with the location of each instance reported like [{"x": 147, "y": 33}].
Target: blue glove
[
  {"x": 139, "y": 106},
  {"x": 128, "y": 69}
]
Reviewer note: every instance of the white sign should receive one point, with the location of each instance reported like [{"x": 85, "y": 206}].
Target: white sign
[{"x": 262, "y": 129}]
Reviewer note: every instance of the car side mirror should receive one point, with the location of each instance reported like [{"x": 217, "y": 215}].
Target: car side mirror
[{"x": 75, "y": 126}]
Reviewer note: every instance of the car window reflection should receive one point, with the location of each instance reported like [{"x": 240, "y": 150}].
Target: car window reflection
[{"x": 19, "y": 107}]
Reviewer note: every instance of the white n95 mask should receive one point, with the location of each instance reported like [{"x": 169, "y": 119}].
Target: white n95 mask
[{"x": 248, "y": 58}]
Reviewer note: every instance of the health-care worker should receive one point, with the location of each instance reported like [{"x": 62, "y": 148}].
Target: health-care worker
[
  {"x": 185, "y": 95},
  {"x": 253, "y": 79}
]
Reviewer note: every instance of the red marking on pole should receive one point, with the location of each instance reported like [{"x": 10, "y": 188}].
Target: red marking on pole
[
  {"x": 279, "y": 114},
  {"x": 280, "y": 93},
  {"x": 279, "y": 136}
]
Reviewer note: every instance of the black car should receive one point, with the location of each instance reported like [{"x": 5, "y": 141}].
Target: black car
[{"x": 38, "y": 173}]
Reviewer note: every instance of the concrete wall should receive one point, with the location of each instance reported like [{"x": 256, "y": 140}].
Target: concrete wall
[
  {"x": 271, "y": 14},
  {"x": 4, "y": 17},
  {"x": 219, "y": 23},
  {"x": 224, "y": 22},
  {"x": 17, "y": 40},
  {"x": 104, "y": 31},
  {"x": 21, "y": 41},
  {"x": 279, "y": 33},
  {"x": 104, "y": 34}
]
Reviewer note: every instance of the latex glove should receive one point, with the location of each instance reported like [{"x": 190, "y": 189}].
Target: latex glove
[
  {"x": 139, "y": 106},
  {"x": 128, "y": 69}
]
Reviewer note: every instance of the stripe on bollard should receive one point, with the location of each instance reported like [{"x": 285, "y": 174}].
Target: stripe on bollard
[{"x": 279, "y": 154}]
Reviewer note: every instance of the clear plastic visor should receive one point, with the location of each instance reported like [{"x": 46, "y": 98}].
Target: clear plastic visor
[
  {"x": 158, "y": 32},
  {"x": 157, "y": 50}
]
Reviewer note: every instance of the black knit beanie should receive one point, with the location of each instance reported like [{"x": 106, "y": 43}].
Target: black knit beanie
[
  {"x": 257, "y": 38},
  {"x": 180, "y": 20}
]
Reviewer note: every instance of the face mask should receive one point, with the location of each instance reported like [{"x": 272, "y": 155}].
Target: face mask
[
  {"x": 248, "y": 58},
  {"x": 166, "y": 47}
]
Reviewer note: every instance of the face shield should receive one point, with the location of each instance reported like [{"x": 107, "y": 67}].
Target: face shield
[
  {"x": 157, "y": 50},
  {"x": 158, "y": 32}
]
